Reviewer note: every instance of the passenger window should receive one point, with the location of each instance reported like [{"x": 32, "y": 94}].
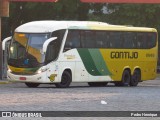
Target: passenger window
[
  {"x": 72, "y": 41},
  {"x": 88, "y": 39},
  {"x": 54, "y": 46},
  {"x": 129, "y": 40},
  {"x": 141, "y": 40},
  {"x": 115, "y": 40},
  {"x": 52, "y": 51},
  {"x": 100, "y": 39},
  {"x": 151, "y": 41}
]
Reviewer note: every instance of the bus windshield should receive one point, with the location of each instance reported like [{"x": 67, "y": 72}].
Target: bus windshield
[{"x": 26, "y": 50}]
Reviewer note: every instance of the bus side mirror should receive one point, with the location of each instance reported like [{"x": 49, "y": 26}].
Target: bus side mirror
[
  {"x": 46, "y": 43},
  {"x": 5, "y": 41}
]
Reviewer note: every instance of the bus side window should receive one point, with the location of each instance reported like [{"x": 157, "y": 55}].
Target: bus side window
[
  {"x": 75, "y": 39},
  {"x": 68, "y": 44},
  {"x": 151, "y": 40},
  {"x": 88, "y": 39},
  {"x": 59, "y": 34},
  {"x": 135, "y": 41},
  {"x": 111, "y": 43},
  {"x": 107, "y": 42},
  {"x": 100, "y": 39},
  {"x": 52, "y": 51},
  {"x": 72, "y": 41},
  {"x": 128, "y": 40},
  {"x": 141, "y": 40},
  {"x": 54, "y": 46},
  {"x": 115, "y": 40}
]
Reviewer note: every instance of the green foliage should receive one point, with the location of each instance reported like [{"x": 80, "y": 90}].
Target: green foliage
[
  {"x": 22, "y": 12},
  {"x": 146, "y": 15}
]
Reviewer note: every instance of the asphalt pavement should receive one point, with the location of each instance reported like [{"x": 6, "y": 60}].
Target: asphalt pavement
[{"x": 81, "y": 97}]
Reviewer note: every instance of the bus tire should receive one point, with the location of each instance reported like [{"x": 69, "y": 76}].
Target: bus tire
[
  {"x": 97, "y": 84},
  {"x": 126, "y": 78},
  {"x": 136, "y": 77},
  {"x": 32, "y": 85},
  {"x": 65, "y": 80}
]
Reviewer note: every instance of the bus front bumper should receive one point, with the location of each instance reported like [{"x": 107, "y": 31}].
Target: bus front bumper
[{"x": 36, "y": 78}]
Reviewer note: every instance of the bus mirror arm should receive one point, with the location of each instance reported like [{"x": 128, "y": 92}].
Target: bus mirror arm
[
  {"x": 46, "y": 43},
  {"x": 5, "y": 41}
]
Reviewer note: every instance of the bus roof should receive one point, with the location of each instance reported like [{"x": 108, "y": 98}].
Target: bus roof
[{"x": 50, "y": 26}]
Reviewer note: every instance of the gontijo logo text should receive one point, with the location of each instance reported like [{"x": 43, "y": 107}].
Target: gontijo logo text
[{"x": 123, "y": 55}]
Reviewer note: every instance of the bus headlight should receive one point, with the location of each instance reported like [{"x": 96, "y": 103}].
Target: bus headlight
[{"x": 43, "y": 69}]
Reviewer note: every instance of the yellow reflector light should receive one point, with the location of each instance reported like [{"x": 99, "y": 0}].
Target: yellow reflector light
[{"x": 21, "y": 35}]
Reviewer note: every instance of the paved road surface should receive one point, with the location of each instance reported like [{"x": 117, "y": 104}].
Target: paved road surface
[{"x": 80, "y": 97}]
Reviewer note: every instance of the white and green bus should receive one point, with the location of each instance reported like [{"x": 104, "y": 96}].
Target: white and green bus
[{"x": 61, "y": 52}]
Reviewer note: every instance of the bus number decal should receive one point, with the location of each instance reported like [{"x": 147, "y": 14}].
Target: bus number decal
[{"x": 150, "y": 55}]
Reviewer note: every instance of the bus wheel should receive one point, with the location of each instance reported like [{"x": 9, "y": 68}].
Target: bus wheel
[
  {"x": 32, "y": 85},
  {"x": 136, "y": 77},
  {"x": 126, "y": 77},
  {"x": 97, "y": 84},
  {"x": 65, "y": 80}
]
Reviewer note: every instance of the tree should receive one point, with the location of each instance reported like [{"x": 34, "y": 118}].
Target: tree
[
  {"x": 146, "y": 15},
  {"x": 22, "y": 12}
]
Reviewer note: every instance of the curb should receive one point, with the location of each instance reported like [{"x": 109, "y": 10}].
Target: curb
[{"x": 4, "y": 82}]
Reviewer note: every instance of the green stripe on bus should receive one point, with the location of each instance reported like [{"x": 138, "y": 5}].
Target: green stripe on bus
[
  {"x": 99, "y": 61},
  {"x": 94, "y": 62},
  {"x": 88, "y": 62}
]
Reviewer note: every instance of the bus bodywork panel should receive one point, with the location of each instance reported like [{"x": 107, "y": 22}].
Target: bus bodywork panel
[
  {"x": 89, "y": 64},
  {"x": 96, "y": 65},
  {"x": 118, "y": 60}
]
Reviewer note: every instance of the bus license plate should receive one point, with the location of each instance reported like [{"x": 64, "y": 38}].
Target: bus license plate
[{"x": 22, "y": 78}]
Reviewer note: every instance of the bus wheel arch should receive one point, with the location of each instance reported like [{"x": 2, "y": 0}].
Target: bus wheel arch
[
  {"x": 66, "y": 79},
  {"x": 136, "y": 77},
  {"x": 126, "y": 78}
]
